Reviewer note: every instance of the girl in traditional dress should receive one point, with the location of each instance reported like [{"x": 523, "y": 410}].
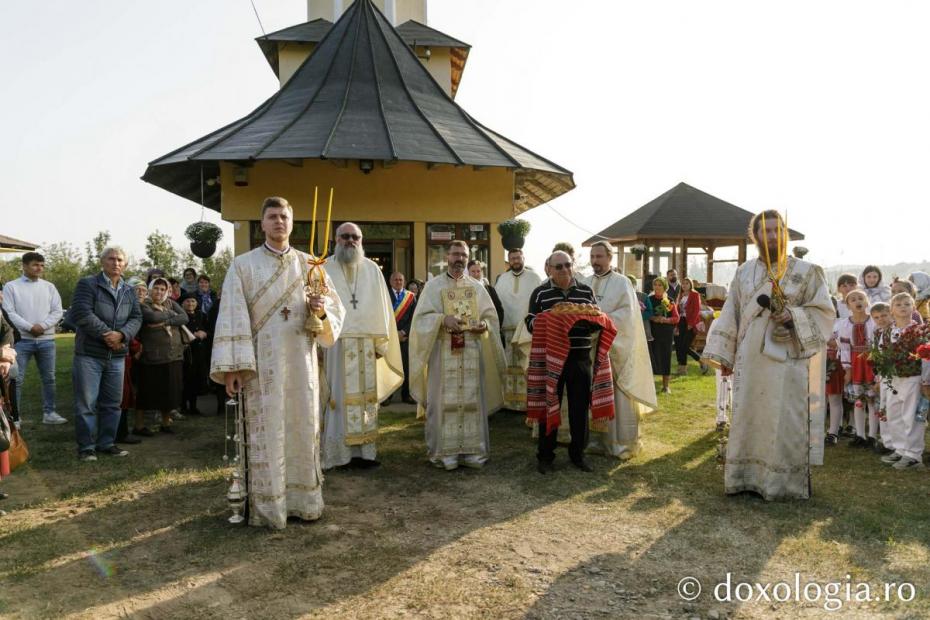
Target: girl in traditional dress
[
  {"x": 834, "y": 389},
  {"x": 855, "y": 337}
]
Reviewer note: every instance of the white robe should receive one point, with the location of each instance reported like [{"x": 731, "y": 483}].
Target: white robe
[
  {"x": 455, "y": 390},
  {"x": 514, "y": 292},
  {"x": 363, "y": 368},
  {"x": 776, "y": 432},
  {"x": 260, "y": 333},
  {"x": 634, "y": 386}
]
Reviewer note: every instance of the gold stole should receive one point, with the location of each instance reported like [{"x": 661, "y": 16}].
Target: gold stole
[
  {"x": 461, "y": 374},
  {"x": 360, "y": 395}
]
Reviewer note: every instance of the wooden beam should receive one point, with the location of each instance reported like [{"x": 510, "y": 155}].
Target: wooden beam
[
  {"x": 710, "y": 262},
  {"x": 684, "y": 258},
  {"x": 742, "y": 253}
]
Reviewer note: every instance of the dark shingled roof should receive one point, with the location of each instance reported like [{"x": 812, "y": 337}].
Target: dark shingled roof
[
  {"x": 683, "y": 212},
  {"x": 9, "y": 244},
  {"x": 362, "y": 94}
]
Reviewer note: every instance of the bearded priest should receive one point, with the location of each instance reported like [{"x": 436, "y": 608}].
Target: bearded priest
[
  {"x": 364, "y": 367},
  {"x": 456, "y": 362},
  {"x": 514, "y": 287},
  {"x": 771, "y": 334},
  {"x": 634, "y": 388}
]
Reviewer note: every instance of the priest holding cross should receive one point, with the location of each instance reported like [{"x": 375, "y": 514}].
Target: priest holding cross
[{"x": 364, "y": 367}]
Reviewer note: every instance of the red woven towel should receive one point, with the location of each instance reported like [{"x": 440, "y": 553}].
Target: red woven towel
[{"x": 548, "y": 354}]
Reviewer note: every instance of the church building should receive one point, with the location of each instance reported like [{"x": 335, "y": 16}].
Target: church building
[{"x": 366, "y": 106}]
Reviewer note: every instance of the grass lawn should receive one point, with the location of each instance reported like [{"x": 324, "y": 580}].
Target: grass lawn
[{"x": 146, "y": 536}]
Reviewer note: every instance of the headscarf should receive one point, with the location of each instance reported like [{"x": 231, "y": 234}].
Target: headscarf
[
  {"x": 160, "y": 280},
  {"x": 921, "y": 280},
  {"x": 876, "y": 293}
]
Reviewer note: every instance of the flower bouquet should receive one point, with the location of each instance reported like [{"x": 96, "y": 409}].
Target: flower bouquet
[{"x": 901, "y": 358}]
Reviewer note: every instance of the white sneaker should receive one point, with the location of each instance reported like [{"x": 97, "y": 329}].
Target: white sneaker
[
  {"x": 908, "y": 463},
  {"x": 53, "y": 418},
  {"x": 894, "y": 457}
]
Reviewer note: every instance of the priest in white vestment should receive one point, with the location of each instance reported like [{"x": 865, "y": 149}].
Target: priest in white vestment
[
  {"x": 364, "y": 367},
  {"x": 777, "y": 366},
  {"x": 456, "y": 362},
  {"x": 262, "y": 350},
  {"x": 634, "y": 387},
  {"x": 514, "y": 287}
]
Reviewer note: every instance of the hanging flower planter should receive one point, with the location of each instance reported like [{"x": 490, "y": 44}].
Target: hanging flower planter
[
  {"x": 513, "y": 233},
  {"x": 638, "y": 251},
  {"x": 203, "y": 237}
]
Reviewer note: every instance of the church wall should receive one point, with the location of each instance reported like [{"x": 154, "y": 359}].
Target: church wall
[{"x": 405, "y": 192}]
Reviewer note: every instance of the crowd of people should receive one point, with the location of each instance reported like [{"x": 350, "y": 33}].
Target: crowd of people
[
  {"x": 877, "y": 392},
  {"x": 459, "y": 348},
  {"x": 142, "y": 348}
]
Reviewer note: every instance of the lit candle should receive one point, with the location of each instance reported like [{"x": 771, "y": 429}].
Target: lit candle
[{"x": 313, "y": 223}]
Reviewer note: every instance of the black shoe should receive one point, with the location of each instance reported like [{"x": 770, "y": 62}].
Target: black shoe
[
  {"x": 830, "y": 440},
  {"x": 145, "y": 431},
  {"x": 410, "y": 401},
  {"x": 4, "y": 495},
  {"x": 168, "y": 430},
  {"x": 544, "y": 468},
  {"x": 858, "y": 442},
  {"x": 365, "y": 463},
  {"x": 583, "y": 465},
  {"x": 130, "y": 439},
  {"x": 113, "y": 450}
]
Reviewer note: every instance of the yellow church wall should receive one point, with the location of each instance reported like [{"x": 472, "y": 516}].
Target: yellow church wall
[
  {"x": 404, "y": 192},
  {"x": 439, "y": 65}
]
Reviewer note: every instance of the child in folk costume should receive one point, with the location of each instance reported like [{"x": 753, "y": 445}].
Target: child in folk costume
[
  {"x": 903, "y": 396},
  {"x": 881, "y": 319},
  {"x": 921, "y": 281},
  {"x": 834, "y": 390},
  {"x": 844, "y": 284},
  {"x": 854, "y": 337},
  {"x": 906, "y": 286},
  {"x": 871, "y": 283}
]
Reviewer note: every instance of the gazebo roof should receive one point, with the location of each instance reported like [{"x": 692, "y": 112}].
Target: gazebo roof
[
  {"x": 362, "y": 95},
  {"x": 9, "y": 244},
  {"x": 683, "y": 212}
]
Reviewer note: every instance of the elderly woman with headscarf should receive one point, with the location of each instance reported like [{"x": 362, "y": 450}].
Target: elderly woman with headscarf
[
  {"x": 921, "y": 282},
  {"x": 196, "y": 355},
  {"x": 161, "y": 363}
]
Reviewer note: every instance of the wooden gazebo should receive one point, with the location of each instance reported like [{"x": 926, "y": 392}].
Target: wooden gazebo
[
  {"x": 682, "y": 219},
  {"x": 9, "y": 244}
]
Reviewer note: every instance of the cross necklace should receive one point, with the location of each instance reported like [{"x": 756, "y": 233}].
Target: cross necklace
[{"x": 352, "y": 301}]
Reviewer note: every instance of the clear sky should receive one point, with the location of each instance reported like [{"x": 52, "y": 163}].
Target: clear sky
[{"x": 820, "y": 108}]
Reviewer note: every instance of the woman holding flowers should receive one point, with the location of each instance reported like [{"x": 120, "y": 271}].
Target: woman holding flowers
[{"x": 664, "y": 319}]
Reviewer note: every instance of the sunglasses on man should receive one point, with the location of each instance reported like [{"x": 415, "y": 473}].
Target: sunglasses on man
[
  {"x": 561, "y": 266},
  {"x": 347, "y": 236}
]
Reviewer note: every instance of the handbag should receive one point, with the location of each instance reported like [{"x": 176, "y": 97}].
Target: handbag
[
  {"x": 5, "y": 427},
  {"x": 19, "y": 451}
]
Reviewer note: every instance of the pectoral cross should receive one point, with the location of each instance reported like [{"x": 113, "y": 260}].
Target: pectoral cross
[
  {"x": 354, "y": 302},
  {"x": 285, "y": 312}
]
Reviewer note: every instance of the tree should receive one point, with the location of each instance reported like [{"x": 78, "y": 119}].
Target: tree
[
  {"x": 93, "y": 249},
  {"x": 217, "y": 265},
  {"x": 63, "y": 268},
  {"x": 160, "y": 253},
  {"x": 11, "y": 269}
]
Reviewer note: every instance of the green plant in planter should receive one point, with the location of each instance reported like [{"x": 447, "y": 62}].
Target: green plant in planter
[
  {"x": 203, "y": 232},
  {"x": 513, "y": 233}
]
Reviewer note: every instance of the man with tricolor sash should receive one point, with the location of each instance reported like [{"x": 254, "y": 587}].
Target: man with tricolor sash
[{"x": 405, "y": 304}]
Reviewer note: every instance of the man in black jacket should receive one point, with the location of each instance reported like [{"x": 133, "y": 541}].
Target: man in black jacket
[{"x": 106, "y": 315}]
